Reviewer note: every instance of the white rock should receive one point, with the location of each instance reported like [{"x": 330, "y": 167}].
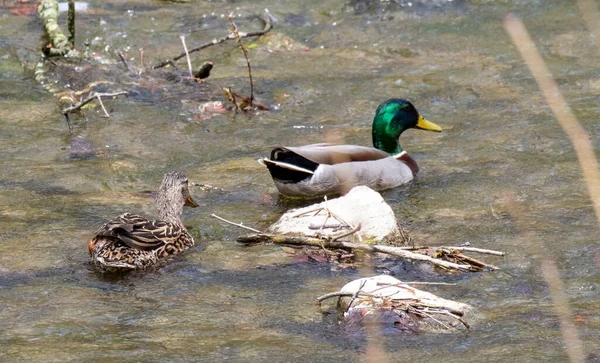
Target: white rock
[
  {"x": 387, "y": 287},
  {"x": 362, "y": 205}
]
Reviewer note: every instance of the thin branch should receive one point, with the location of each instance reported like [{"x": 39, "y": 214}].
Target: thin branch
[
  {"x": 235, "y": 224},
  {"x": 125, "y": 63},
  {"x": 478, "y": 250},
  {"x": 427, "y": 315},
  {"x": 443, "y": 312},
  {"x": 187, "y": 56},
  {"x": 420, "y": 283},
  {"x": 102, "y": 105},
  {"x": 317, "y": 242},
  {"x": 355, "y": 295},
  {"x": 473, "y": 261},
  {"x": 268, "y": 26},
  {"x": 345, "y": 234},
  {"x": 142, "y": 64},
  {"x": 334, "y": 294},
  {"x": 89, "y": 99},
  {"x": 235, "y": 31},
  {"x": 68, "y": 123},
  {"x": 331, "y": 214},
  {"x": 232, "y": 98},
  {"x": 461, "y": 248},
  {"x": 299, "y": 214}
]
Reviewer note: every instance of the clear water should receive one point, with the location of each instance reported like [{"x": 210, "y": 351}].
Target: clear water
[{"x": 327, "y": 64}]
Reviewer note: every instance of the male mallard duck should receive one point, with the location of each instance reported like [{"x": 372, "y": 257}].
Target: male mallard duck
[
  {"x": 132, "y": 242},
  {"x": 321, "y": 169}
]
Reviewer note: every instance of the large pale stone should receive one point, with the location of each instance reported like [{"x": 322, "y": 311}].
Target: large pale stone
[
  {"x": 386, "y": 301},
  {"x": 389, "y": 287},
  {"x": 361, "y": 205}
]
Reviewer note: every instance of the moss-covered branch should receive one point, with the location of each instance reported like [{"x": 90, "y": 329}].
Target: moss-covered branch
[{"x": 59, "y": 43}]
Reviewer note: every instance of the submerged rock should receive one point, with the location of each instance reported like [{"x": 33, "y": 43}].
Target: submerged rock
[
  {"x": 361, "y": 206},
  {"x": 81, "y": 148}
]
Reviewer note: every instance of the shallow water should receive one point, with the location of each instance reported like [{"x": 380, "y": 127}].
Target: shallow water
[{"x": 327, "y": 65}]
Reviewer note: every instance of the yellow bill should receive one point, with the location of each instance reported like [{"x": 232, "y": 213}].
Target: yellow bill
[{"x": 427, "y": 125}]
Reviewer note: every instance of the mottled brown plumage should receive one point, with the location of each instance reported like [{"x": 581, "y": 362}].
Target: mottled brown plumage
[{"x": 132, "y": 242}]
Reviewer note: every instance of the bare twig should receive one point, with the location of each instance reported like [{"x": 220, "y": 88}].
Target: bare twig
[
  {"x": 102, "y": 105},
  {"x": 333, "y": 294},
  {"x": 299, "y": 214},
  {"x": 231, "y": 97},
  {"x": 235, "y": 224},
  {"x": 142, "y": 63},
  {"x": 461, "y": 248},
  {"x": 125, "y": 63},
  {"x": 317, "y": 242},
  {"x": 427, "y": 315},
  {"x": 473, "y": 261},
  {"x": 89, "y": 99},
  {"x": 268, "y": 26},
  {"x": 478, "y": 250},
  {"x": 421, "y": 283},
  {"x": 69, "y": 123},
  {"x": 345, "y": 234},
  {"x": 187, "y": 55},
  {"x": 354, "y": 229},
  {"x": 236, "y": 33},
  {"x": 355, "y": 295},
  {"x": 443, "y": 312},
  {"x": 331, "y": 214}
]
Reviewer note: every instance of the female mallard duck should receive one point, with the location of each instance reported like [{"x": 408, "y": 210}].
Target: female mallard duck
[
  {"x": 132, "y": 242},
  {"x": 320, "y": 169}
]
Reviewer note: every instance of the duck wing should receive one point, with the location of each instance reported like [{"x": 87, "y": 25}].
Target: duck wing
[
  {"x": 293, "y": 164},
  {"x": 331, "y": 154},
  {"x": 140, "y": 232}
]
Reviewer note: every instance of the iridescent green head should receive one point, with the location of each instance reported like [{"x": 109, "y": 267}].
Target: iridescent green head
[{"x": 392, "y": 118}]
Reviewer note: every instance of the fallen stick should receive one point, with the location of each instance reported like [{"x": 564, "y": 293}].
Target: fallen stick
[
  {"x": 317, "y": 242},
  {"x": 59, "y": 43},
  {"x": 268, "y": 26},
  {"x": 89, "y": 99},
  {"x": 422, "y": 283},
  {"x": 333, "y": 294},
  {"x": 187, "y": 56},
  {"x": 124, "y": 61},
  {"x": 346, "y": 234},
  {"x": 236, "y": 33},
  {"x": 102, "y": 105},
  {"x": 234, "y": 224},
  {"x": 476, "y": 262},
  {"x": 467, "y": 249}
]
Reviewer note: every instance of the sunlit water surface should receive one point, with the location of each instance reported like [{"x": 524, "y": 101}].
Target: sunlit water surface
[{"x": 324, "y": 68}]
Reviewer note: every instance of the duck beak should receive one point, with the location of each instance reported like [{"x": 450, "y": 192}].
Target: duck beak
[
  {"x": 427, "y": 125},
  {"x": 91, "y": 245},
  {"x": 189, "y": 202}
]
